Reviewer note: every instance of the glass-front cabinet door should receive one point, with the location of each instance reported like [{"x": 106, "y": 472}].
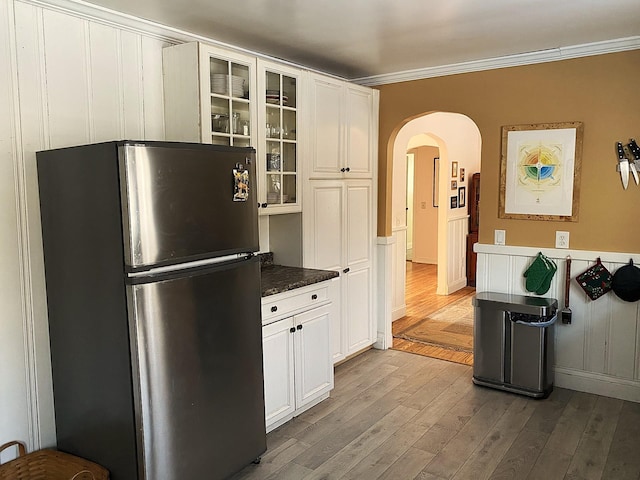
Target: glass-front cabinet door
[
  {"x": 209, "y": 95},
  {"x": 279, "y": 121},
  {"x": 229, "y": 95}
]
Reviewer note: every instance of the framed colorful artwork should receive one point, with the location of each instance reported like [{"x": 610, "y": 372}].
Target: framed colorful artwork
[{"x": 540, "y": 171}]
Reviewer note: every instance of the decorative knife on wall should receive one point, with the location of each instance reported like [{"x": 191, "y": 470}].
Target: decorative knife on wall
[
  {"x": 632, "y": 165},
  {"x": 634, "y": 159},
  {"x": 623, "y": 165}
]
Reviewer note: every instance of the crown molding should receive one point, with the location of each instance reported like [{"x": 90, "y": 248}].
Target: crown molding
[{"x": 542, "y": 56}]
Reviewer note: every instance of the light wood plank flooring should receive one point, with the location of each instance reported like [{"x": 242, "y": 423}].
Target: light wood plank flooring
[
  {"x": 398, "y": 416},
  {"x": 421, "y": 301}
]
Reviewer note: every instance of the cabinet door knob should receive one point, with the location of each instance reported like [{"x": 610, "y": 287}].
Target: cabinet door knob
[
  {"x": 343, "y": 169},
  {"x": 314, "y": 297},
  {"x": 264, "y": 205},
  {"x": 274, "y": 309},
  {"x": 348, "y": 169},
  {"x": 346, "y": 270},
  {"x": 292, "y": 330},
  {"x": 259, "y": 205},
  {"x": 299, "y": 327}
]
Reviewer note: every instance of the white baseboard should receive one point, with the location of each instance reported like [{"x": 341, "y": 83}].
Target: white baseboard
[
  {"x": 454, "y": 287},
  {"x": 597, "y": 384},
  {"x": 399, "y": 313}
]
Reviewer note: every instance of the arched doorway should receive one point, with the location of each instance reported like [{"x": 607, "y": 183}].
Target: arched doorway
[{"x": 458, "y": 140}]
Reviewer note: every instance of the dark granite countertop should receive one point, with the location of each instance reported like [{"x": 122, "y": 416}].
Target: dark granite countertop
[{"x": 278, "y": 278}]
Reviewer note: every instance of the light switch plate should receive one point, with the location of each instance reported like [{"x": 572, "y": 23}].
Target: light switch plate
[
  {"x": 562, "y": 239},
  {"x": 499, "y": 237}
]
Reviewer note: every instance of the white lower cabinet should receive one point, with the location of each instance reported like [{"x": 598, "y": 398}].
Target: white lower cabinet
[
  {"x": 298, "y": 369},
  {"x": 339, "y": 235}
]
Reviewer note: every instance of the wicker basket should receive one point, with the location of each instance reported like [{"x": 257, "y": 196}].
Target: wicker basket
[{"x": 49, "y": 465}]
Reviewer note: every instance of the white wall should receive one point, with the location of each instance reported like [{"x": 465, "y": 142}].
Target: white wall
[
  {"x": 599, "y": 352},
  {"x": 64, "y": 80}
]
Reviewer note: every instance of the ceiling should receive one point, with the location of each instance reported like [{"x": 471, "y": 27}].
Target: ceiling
[{"x": 357, "y": 39}]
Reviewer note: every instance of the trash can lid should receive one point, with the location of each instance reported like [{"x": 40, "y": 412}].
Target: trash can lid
[{"x": 541, "y": 306}]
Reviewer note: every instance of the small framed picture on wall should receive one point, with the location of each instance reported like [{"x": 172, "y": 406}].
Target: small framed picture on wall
[
  {"x": 454, "y": 202},
  {"x": 454, "y": 169},
  {"x": 454, "y": 184},
  {"x": 462, "y": 174},
  {"x": 462, "y": 200}
]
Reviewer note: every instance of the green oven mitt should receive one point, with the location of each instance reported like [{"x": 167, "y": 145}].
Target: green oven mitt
[
  {"x": 551, "y": 271},
  {"x": 539, "y": 274},
  {"x": 536, "y": 273}
]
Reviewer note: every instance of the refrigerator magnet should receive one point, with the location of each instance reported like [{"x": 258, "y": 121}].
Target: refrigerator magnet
[{"x": 241, "y": 184}]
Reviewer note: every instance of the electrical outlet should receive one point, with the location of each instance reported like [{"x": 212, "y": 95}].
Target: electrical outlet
[
  {"x": 499, "y": 237},
  {"x": 562, "y": 239}
]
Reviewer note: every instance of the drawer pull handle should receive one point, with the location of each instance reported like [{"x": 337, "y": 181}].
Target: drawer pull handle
[
  {"x": 314, "y": 297},
  {"x": 299, "y": 327},
  {"x": 346, "y": 270},
  {"x": 274, "y": 309},
  {"x": 292, "y": 330}
]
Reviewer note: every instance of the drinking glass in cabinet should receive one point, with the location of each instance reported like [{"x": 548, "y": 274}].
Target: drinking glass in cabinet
[
  {"x": 273, "y": 123},
  {"x": 274, "y": 188},
  {"x": 289, "y": 124}
]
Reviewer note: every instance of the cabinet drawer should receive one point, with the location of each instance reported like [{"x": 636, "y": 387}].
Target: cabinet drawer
[{"x": 294, "y": 301}]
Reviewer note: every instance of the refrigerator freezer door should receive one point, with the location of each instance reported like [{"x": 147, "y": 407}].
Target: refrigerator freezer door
[
  {"x": 180, "y": 203},
  {"x": 198, "y": 344}
]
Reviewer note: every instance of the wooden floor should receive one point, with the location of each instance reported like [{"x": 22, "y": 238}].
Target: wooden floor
[
  {"x": 421, "y": 301},
  {"x": 397, "y": 416}
]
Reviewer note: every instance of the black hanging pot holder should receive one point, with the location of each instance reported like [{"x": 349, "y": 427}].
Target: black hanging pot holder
[{"x": 626, "y": 282}]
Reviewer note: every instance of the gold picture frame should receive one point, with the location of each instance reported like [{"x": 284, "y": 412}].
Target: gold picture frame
[{"x": 540, "y": 169}]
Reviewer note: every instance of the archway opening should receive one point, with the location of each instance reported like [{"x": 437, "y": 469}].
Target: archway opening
[{"x": 456, "y": 139}]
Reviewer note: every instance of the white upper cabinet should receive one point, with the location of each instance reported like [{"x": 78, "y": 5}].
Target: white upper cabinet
[
  {"x": 343, "y": 128},
  {"x": 279, "y": 120},
  {"x": 209, "y": 95}
]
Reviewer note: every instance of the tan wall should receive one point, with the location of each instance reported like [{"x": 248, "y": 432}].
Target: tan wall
[
  {"x": 600, "y": 91},
  {"x": 425, "y": 220}
]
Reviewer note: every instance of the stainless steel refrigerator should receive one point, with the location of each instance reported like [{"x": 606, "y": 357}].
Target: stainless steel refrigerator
[{"x": 153, "y": 295}]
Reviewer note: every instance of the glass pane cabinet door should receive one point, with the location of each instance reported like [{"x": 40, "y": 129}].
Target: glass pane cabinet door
[
  {"x": 280, "y": 118},
  {"x": 230, "y": 85}
]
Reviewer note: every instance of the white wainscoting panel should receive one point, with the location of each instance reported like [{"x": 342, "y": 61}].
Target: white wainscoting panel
[
  {"x": 399, "y": 307},
  {"x": 457, "y": 253},
  {"x": 384, "y": 272},
  {"x": 599, "y": 351}
]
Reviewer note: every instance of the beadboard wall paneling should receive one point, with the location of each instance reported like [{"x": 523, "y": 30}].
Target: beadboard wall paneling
[
  {"x": 65, "y": 79},
  {"x": 399, "y": 272},
  {"x": 457, "y": 252},
  {"x": 599, "y": 351},
  {"x": 14, "y": 369}
]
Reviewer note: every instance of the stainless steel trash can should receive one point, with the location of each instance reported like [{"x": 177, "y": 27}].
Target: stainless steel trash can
[{"x": 513, "y": 338}]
